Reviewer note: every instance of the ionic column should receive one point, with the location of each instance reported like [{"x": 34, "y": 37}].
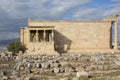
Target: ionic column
[
  {"x": 44, "y": 34},
  {"x": 36, "y": 35},
  {"x": 116, "y": 35}
]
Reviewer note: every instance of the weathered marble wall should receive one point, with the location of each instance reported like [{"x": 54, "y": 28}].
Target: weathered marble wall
[{"x": 76, "y": 35}]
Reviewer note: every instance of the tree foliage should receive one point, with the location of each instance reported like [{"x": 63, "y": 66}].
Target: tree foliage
[{"x": 16, "y": 46}]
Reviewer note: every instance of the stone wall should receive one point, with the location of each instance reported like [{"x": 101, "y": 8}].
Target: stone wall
[
  {"x": 26, "y": 36},
  {"x": 75, "y": 35}
]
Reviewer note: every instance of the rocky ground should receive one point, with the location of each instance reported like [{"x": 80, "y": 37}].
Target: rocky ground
[{"x": 90, "y": 66}]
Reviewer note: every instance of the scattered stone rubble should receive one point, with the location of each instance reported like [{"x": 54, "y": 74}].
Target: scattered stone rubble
[{"x": 100, "y": 66}]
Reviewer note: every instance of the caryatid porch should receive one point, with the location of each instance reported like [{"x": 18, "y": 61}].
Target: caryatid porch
[
  {"x": 41, "y": 35},
  {"x": 41, "y": 40}
]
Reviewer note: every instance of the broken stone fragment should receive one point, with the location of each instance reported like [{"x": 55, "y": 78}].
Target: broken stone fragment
[
  {"x": 45, "y": 65},
  {"x": 56, "y": 70},
  {"x": 2, "y": 73},
  {"x": 15, "y": 73},
  {"x": 81, "y": 74}
]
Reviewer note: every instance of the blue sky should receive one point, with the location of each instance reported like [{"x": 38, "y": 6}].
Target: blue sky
[{"x": 15, "y": 13}]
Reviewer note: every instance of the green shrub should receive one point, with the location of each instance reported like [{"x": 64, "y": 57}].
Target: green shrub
[{"x": 16, "y": 46}]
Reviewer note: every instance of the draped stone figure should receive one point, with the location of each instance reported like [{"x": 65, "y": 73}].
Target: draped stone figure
[{"x": 32, "y": 37}]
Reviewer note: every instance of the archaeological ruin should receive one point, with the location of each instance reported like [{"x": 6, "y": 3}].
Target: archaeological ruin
[{"x": 67, "y": 36}]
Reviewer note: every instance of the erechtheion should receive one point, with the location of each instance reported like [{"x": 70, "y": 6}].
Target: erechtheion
[{"x": 67, "y": 36}]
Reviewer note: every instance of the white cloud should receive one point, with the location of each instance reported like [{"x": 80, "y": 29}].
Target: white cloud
[
  {"x": 13, "y": 12},
  {"x": 31, "y": 8},
  {"x": 66, "y": 4},
  {"x": 8, "y": 35},
  {"x": 62, "y": 7},
  {"x": 86, "y": 13},
  {"x": 115, "y": 0},
  {"x": 21, "y": 8},
  {"x": 98, "y": 12}
]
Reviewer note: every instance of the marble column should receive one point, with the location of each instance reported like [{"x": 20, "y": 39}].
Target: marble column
[
  {"x": 116, "y": 35},
  {"x": 52, "y": 35},
  {"x": 36, "y": 35},
  {"x": 44, "y": 35}
]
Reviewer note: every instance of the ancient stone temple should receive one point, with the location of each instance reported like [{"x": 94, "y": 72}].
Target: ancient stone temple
[{"x": 66, "y": 36}]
